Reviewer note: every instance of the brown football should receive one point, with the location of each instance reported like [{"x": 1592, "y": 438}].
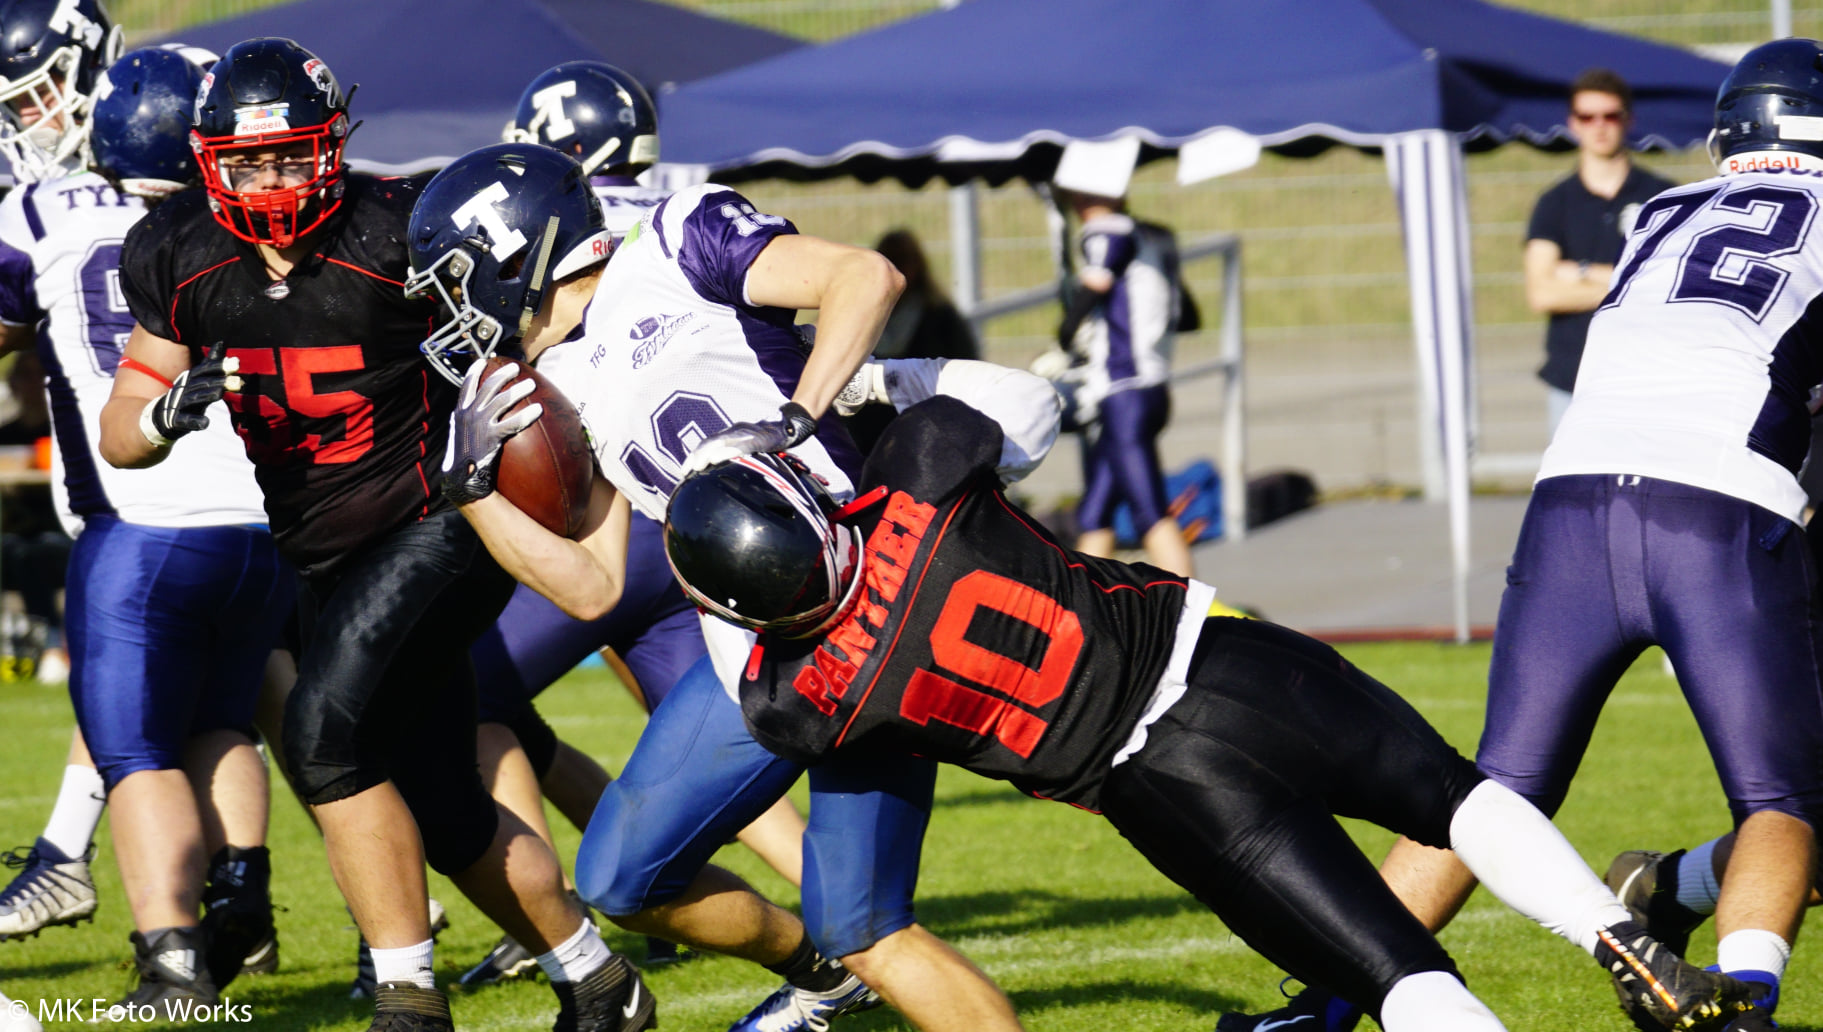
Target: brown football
[{"x": 546, "y": 469}]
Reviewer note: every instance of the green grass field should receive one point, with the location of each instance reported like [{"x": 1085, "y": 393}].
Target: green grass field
[{"x": 1081, "y": 932}]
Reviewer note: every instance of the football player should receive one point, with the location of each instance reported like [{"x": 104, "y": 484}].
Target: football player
[
  {"x": 277, "y": 287},
  {"x": 52, "y": 53},
  {"x": 603, "y": 117},
  {"x": 685, "y": 348},
  {"x": 176, "y": 594},
  {"x": 1667, "y": 512},
  {"x": 931, "y": 617}
]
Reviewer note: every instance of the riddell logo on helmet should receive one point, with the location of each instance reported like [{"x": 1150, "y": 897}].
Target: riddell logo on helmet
[{"x": 1769, "y": 162}]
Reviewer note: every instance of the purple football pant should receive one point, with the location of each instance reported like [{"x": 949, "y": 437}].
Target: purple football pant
[
  {"x": 1121, "y": 459},
  {"x": 653, "y": 629},
  {"x": 1607, "y": 565}
]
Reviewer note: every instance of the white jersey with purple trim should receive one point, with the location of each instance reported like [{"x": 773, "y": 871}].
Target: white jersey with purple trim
[
  {"x": 1128, "y": 339},
  {"x": 59, "y": 262},
  {"x": 671, "y": 351},
  {"x": 624, "y": 202},
  {"x": 1700, "y": 360}
]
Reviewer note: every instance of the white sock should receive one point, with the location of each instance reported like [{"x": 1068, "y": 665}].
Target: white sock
[
  {"x": 1524, "y": 860},
  {"x": 1697, "y": 887},
  {"x": 1434, "y": 1001},
  {"x": 78, "y": 810},
  {"x": 1753, "y": 949},
  {"x": 405, "y": 964},
  {"x": 577, "y": 957}
]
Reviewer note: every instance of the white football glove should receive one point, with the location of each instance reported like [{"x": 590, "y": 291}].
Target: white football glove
[
  {"x": 866, "y": 387},
  {"x": 793, "y": 427},
  {"x": 1053, "y": 364}
]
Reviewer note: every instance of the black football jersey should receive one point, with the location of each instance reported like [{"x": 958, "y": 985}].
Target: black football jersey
[
  {"x": 978, "y": 640},
  {"x": 342, "y": 417}
]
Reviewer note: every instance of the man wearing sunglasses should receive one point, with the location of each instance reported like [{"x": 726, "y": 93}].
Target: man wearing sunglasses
[{"x": 1580, "y": 224}]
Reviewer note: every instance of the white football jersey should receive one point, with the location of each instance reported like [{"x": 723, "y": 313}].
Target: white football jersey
[
  {"x": 1128, "y": 340},
  {"x": 1700, "y": 360},
  {"x": 59, "y": 262},
  {"x": 624, "y": 202},
  {"x": 671, "y": 351}
]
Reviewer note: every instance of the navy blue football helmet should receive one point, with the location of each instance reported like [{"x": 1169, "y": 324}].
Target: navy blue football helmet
[
  {"x": 1771, "y": 101},
  {"x": 51, "y": 54},
  {"x": 752, "y": 541},
  {"x": 489, "y": 235},
  {"x": 139, "y": 135},
  {"x": 270, "y": 95},
  {"x": 594, "y": 112}
]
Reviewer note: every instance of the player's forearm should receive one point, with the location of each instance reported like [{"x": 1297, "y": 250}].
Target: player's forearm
[
  {"x": 1026, "y": 406},
  {"x": 1568, "y": 289},
  {"x": 559, "y": 569},
  {"x": 853, "y": 311},
  {"x": 123, "y": 443}
]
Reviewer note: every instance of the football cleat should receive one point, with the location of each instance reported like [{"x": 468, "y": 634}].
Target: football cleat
[
  {"x": 792, "y": 1009},
  {"x": 50, "y": 889},
  {"x": 237, "y": 911},
  {"x": 1755, "y": 1020},
  {"x": 1311, "y": 1010},
  {"x": 613, "y": 999},
  {"x": 664, "y": 953},
  {"x": 506, "y": 961},
  {"x": 363, "y": 987},
  {"x": 1658, "y": 990},
  {"x": 171, "y": 970},
  {"x": 403, "y": 1007},
  {"x": 263, "y": 958},
  {"x": 1634, "y": 877}
]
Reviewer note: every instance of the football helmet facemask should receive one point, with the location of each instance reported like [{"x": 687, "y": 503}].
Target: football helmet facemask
[
  {"x": 139, "y": 136},
  {"x": 51, "y": 54},
  {"x": 1771, "y": 105},
  {"x": 488, "y": 237},
  {"x": 266, "y": 97},
  {"x": 751, "y": 541},
  {"x": 592, "y": 111}
]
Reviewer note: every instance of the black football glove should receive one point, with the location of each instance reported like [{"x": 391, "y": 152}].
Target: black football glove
[
  {"x": 793, "y": 427},
  {"x": 480, "y": 426},
  {"x": 180, "y": 410}
]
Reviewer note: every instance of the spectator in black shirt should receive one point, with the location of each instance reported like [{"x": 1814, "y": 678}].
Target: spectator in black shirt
[{"x": 1579, "y": 226}]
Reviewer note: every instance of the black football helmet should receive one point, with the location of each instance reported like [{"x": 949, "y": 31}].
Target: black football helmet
[
  {"x": 751, "y": 541},
  {"x": 51, "y": 54},
  {"x": 489, "y": 234},
  {"x": 271, "y": 95},
  {"x": 139, "y": 135},
  {"x": 592, "y": 111},
  {"x": 1771, "y": 102}
]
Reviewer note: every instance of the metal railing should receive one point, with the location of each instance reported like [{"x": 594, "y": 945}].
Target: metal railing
[{"x": 1230, "y": 364}]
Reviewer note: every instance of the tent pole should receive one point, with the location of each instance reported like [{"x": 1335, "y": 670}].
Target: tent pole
[{"x": 965, "y": 246}]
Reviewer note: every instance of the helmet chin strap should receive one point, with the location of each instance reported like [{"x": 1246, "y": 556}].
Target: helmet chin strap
[
  {"x": 534, "y": 297},
  {"x": 1768, "y": 160}
]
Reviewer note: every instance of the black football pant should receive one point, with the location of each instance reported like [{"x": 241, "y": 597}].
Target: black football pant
[
  {"x": 1232, "y": 797},
  {"x": 385, "y": 688}
]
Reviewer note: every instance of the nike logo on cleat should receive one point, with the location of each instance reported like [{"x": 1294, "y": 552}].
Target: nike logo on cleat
[
  {"x": 632, "y": 1002},
  {"x": 1268, "y": 1026}
]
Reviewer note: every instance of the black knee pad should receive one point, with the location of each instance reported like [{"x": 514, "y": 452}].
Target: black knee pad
[
  {"x": 536, "y": 737},
  {"x": 456, "y": 822}
]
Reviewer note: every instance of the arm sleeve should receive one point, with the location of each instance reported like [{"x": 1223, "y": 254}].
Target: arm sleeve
[
  {"x": 1025, "y": 407},
  {"x": 719, "y": 238},
  {"x": 18, "y": 288},
  {"x": 934, "y": 450},
  {"x": 145, "y": 276}
]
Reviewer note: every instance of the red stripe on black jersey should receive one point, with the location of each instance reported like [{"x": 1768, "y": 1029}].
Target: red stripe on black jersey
[
  {"x": 365, "y": 272},
  {"x": 976, "y": 638},
  {"x": 180, "y": 290}
]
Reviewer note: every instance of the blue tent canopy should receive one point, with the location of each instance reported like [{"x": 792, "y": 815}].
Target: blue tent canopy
[
  {"x": 439, "y": 78},
  {"x": 993, "y": 88}
]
